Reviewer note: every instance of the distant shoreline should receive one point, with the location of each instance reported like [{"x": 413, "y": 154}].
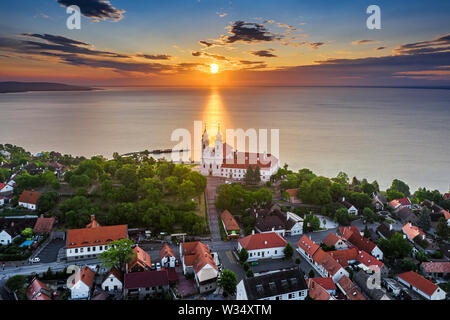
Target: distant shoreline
[{"x": 21, "y": 87}]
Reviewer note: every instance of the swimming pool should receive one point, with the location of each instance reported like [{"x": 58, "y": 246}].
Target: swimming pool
[{"x": 26, "y": 243}]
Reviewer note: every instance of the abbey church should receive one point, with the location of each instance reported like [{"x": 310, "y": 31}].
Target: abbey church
[{"x": 222, "y": 161}]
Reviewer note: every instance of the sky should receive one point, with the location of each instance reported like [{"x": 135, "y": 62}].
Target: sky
[{"x": 264, "y": 42}]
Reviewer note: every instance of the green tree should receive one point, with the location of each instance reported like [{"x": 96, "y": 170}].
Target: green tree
[
  {"x": 311, "y": 273},
  {"x": 396, "y": 247},
  {"x": 171, "y": 184},
  {"x": 442, "y": 229},
  {"x": 424, "y": 221},
  {"x": 27, "y": 232},
  {"x": 243, "y": 255},
  {"x": 227, "y": 281},
  {"x": 342, "y": 178},
  {"x": 47, "y": 201},
  {"x": 16, "y": 283},
  {"x": 186, "y": 190},
  {"x": 288, "y": 251},
  {"x": 400, "y": 186},
  {"x": 394, "y": 194},
  {"x": 119, "y": 253}
]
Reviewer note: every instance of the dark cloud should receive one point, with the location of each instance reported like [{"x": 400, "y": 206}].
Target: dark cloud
[
  {"x": 247, "y": 62},
  {"x": 154, "y": 56},
  {"x": 315, "y": 45},
  {"x": 381, "y": 48},
  {"x": 206, "y": 43},
  {"x": 264, "y": 53},
  {"x": 205, "y": 54},
  {"x": 439, "y": 44},
  {"x": 248, "y": 32},
  {"x": 95, "y": 9},
  {"x": 363, "y": 41}
]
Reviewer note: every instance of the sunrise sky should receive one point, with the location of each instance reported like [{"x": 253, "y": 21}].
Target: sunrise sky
[{"x": 264, "y": 42}]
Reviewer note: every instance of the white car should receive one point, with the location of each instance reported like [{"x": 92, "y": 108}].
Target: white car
[
  {"x": 34, "y": 260},
  {"x": 158, "y": 266}
]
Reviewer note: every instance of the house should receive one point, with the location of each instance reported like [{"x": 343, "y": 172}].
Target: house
[
  {"x": 446, "y": 196},
  {"x": 403, "y": 202},
  {"x": 349, "y": 289},
  {"x": 82, "y": 284},
  {"x": 38, "y": 291},
  {"x": 145, "y": 284},
  {"x": 360, "y": 257},
  {"x": 167, "y": 256},
  {"x": 317, "y": 292},
  {"x": 434, "y": 208},
  {"x": 307, "y": 248},
  {"x": 222, "y": 161},
  {"x": 5, "y": 154},
  {"x": 230, "y": 225},
  {"x": 43, "y": 225},
  {"x": 293, "y": 196},
  {"x": 263, "y": 246},
  {"x": 141, "y": 261},
  {"x": 446, "y": 215},
  {"x": 275, "y": 220},
  {"x": 367, "y": 283},
  {"x": 436, "y": 269},
  {"x": 422, "y": 286},
  {"x": 412, "y": 231},
  {"x": 327, "y": 266},
  {"x": 7, "y": 189},
  {"x": 405, "y": 215},
  {"x": 385, "y": 230},
  {"x": 113, "y": 281},
  {"x": 352, "y": 235},
  {"x": 91, "y": 241},
  {"x": 378, "y": 201},
  {"x": 326, "y": 283},
  {"x": 28, "y": 199},
  {"x": 350, "y": 208},
  {"x": 332, "y": 239},
  {"x": 5, "y": 238},
  {"x": 283, "y": 285},
  {"x": 196, "y": 258}
]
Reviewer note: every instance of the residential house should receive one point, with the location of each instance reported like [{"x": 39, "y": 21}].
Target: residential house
[
  {"x": 293, "y": 196},
  {"x": 275, "y": 220},
  {"x": 230, "y": 225},
  {"x": 326, "y": 283},
  {"x": 167, "y": 256},
  {"x": 307, "y": 248},
  {"x": 332, "y": 239},
  {"x": 378, "y": 201},
  {"x": 283, "y": 285},
  {"x": 412, "y": 231},
  {"x": 263, "y": 246},
  {"x": 317, "y": 292},
  {"x": 327, "y": 266},
  {"x": 352, "y": 235},
  {"x": 113, "y": 281},
  {"x": 369, "y": 286},
  {"x": 38, "y": 291},
  {"x": 403, "y": 202},
  {"x": 7, "y": 189},
  {"x": 196, "y": 258},
  {"x": 141, "y": 262},
  {"x": 385, "y": 230},
  {"x": 405, "y": 215},
  {"x": 436, "y": 269},
  {"x": 82, "y": 284},
  {"x": 91, "y": 241},
  {"x": 28, "y": 199},
  {"x": 422, "y": 286},
  {"x": 43, "y": 225},
  {"x": 360, "y": 258},
  {"x": 350, "y": 208},
  {"x": 5, "y": 238},
  {"x": 145, "y": 284},
  {"x": 349, "y": 289}
]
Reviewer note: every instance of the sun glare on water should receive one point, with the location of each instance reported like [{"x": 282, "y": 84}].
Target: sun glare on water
[{"x": 214, "y": 68}]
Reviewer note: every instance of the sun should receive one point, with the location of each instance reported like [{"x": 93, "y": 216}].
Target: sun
[{"x": 214, "y": 67}]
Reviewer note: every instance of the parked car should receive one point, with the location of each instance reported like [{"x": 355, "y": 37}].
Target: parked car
[
  {"x": 177, "y": 263},
  {"x": 158, "y": 266},
  {"x": 34, "y": 260},
  {"x": 153, "y": 266}
]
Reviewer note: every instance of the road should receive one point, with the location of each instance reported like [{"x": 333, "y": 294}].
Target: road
[{"x": 211, "y": 194}]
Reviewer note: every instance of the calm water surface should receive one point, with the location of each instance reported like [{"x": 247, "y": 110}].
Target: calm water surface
[{"x": 375, "y": 133}]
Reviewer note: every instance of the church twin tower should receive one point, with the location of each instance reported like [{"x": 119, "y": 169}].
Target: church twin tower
[{"x": 212, "y": 158}]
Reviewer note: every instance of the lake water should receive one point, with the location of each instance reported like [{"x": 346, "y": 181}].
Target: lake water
[{"x": 377, "y": 133}]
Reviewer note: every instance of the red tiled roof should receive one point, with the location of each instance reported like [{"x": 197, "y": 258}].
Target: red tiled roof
[
  {"x": 331, "y": 239},
  {"x": 327, "y": 262},
  {"x": 43, "y": 225},
  {"x": 262, "y": 241},
  {"x": 316, "y": 291},
  {"x": 86, "y": 275},
  {"x": 350, "y": 289},
  {"x": 447, "y": 196},
  {"x": 142, "y": 259},
  {"x": 437, "y": 266},
  {"x": 229, "y": 221},
  {"x": 292, "y": 192},
  {"x": 146, "y": 279},
  {"x": 30, "y": 197},
  {"x": 326, "y": 283},
  {"x": 353, "y": 254},
  {"x": 95, "y": 236},
  {"x": 38, "y": 290},
  {"x": 412, "y": 231},
  {"x": 353, "y": 235},
  {"x": 346, "y": 232},
  {"x": 446, "y": 214},
  {"x": 197, "y": 255},
  {"x": 418, "y": 282},
  {"x": 404, "y": 201},
  {"x": 116, "y": 273},
  {"x": 166, "y": 251},
  {"x": 2, "y": 185},
  {"x": 309, "y": 246},
  {"x": 171, "y": 274}
]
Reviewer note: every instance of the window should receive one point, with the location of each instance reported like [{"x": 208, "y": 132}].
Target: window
[{"x": 76, "y": 250}]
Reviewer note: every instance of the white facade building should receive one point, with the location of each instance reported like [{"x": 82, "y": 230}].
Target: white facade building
[
  {"x": 222, "y": 161},
  {"x": 263, "y": 246},
  {"x": 113, "y": 281},
  {"x": 5, "y": 238}
]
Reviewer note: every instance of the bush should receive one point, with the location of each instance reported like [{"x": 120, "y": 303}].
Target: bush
[
  {"x": 246, "y": 266},
  {"x": 249, "y": 273}
]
